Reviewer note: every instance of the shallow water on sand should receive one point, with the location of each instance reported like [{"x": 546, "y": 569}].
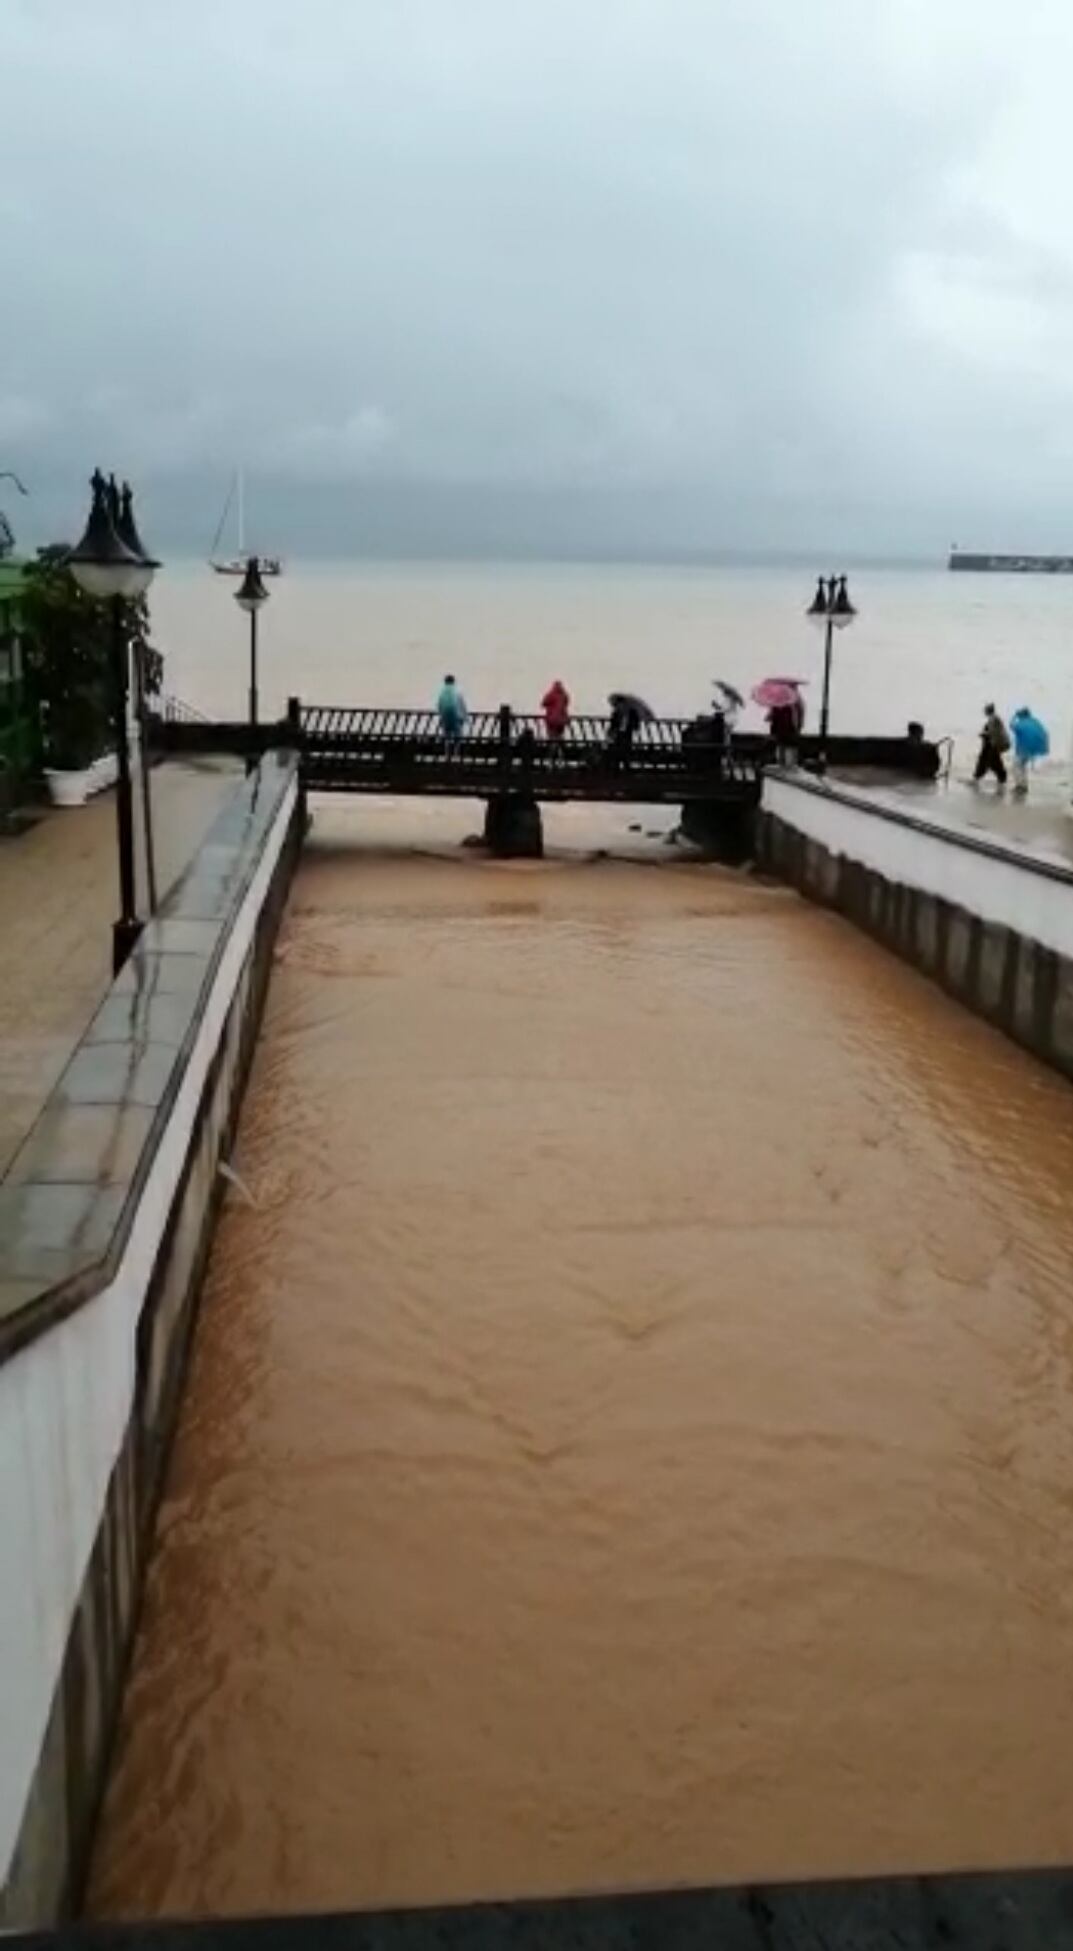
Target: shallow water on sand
[{"x": 630, "y": 1439}]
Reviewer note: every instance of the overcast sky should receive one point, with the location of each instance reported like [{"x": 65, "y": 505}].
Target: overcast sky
[{"x": 678, "y": 273}]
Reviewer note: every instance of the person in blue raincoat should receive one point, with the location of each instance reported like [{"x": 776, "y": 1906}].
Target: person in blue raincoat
[
  {"x": 451, "y": 706},
  {"x": 1030, "y": 741}
]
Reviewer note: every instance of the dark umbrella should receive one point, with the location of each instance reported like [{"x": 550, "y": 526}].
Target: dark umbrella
[
  {"x": 629, "y": 701},
  {"x": 731, "y": 696}
]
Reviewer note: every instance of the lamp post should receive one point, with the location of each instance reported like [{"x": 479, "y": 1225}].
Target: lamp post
[
  {"x": 830, "y": 610},
  {"x": 251, "y": 596},
  {"x": 109, "y": 570},
  {"x": 127, "y": 530}
]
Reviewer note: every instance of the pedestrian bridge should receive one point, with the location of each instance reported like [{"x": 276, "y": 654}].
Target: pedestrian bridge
[{"x": 360, "y": 749}]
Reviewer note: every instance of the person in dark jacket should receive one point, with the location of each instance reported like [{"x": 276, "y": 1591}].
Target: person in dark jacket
[
  {"x": 784, "y": 724},
  {"x": 623, "y": 725},
  {"x": 994, "y": 741}
]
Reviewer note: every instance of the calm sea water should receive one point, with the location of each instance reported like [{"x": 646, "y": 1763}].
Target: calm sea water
[{"x": 926, "y": 644}]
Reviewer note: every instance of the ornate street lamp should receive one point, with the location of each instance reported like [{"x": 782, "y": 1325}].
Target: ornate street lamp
[
  {"x": 110, "y": 570},
  {"x": 251, "y": 596},
  {"x": 101, "y": 563},
  {"x": 830, "y": 610},
  {"x": 127, "y": 530}
]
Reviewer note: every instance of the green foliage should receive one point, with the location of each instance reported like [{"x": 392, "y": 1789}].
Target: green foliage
[
  {"x": 20, "y": 750},
  {"x": 20, "y": 759},
  {"x": 67, "y": 642}
]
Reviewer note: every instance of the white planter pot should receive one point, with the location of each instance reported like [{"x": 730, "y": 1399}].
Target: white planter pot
[
  {"x": 69, "y": 788},
  {"x": 103, "y": 772}
]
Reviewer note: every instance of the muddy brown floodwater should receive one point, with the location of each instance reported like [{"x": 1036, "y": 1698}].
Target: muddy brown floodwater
[{"x": 630, "y": 1441}]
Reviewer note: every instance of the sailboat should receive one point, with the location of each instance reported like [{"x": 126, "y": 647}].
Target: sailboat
[{"x": 235, "y": 565}]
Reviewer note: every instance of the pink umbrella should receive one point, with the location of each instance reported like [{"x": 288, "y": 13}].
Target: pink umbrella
[{"x": 774, "y": 692}]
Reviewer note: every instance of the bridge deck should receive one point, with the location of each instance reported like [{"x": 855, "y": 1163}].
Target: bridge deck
[
  {"x": 355, "y": 751},
  {"x": 348, "y": 749}
]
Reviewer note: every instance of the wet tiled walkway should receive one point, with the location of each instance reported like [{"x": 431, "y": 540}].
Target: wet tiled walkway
[{"x": 57, "y": 903}]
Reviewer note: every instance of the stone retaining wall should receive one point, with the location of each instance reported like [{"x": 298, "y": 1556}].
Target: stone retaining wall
[
  {"x": 105, "y": 1221},
  {"x": 1001, "y": 1910},
  {"x": 994, "y": 927}
]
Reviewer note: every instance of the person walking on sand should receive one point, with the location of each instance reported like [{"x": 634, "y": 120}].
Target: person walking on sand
[
  {"x": 451, "y": 706},
  {"x": 555, "y": 704},
  {"x": 994, "y": 741},
  {"x": 1030, "y": 742}
]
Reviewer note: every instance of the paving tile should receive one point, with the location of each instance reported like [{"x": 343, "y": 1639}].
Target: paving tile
[
  {"x": 84, "y": 1144},
  {"x": 143, "y": 1016},
  {"x": 117, "y": 1074},
  {"x": 164, "y": 975},
  {"x": 168, "y": 936},
  {"x": 50, "y": 1232}
]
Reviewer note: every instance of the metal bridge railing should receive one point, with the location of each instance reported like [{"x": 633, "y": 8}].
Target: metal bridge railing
[
  {"x": 360, "y": 747},
  {"x": 362, "y": 721},
  {"x": 175, "y": 712}
]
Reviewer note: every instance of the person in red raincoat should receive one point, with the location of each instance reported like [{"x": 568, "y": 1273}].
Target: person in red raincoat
[{"x": 555, "y": 705}]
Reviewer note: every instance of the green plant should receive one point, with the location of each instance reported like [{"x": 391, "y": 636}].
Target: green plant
[
  {"x": 20, "y": 746},
  {"x": 67, "y": 648}
]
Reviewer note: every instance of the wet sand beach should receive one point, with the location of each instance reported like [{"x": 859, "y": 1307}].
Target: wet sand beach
[{"x": 628, "y": 1439}]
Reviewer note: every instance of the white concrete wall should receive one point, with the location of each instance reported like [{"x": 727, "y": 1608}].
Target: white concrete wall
[
  {"x": 1011, "y": 892},
  {"x": 65, "y": 1402}
]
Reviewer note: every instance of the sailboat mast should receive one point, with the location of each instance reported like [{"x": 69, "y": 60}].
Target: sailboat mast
[{"x": 241, "y": 513}]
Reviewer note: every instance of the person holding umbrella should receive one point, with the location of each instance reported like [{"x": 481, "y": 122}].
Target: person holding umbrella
[
  {"x": 728, "y": 701},
  {"x": 628, "y": 714},
  {"x": 780, "y": 698}
]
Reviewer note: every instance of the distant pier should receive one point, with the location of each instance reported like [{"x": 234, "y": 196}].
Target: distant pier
[{"x": 1012, "y": 565}]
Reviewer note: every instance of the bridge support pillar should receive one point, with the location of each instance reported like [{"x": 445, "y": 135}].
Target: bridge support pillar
[
  {"x": 513, "y": 828},
  {"x": 725, "y": 830}
]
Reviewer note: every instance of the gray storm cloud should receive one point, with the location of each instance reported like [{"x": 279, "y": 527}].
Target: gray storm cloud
[{"x": 736, "y": 271}]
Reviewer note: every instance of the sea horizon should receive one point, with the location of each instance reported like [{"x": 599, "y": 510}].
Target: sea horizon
[{"x": 814, "y": 561}]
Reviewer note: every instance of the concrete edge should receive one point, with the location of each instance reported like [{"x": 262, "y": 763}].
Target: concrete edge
[
  {"x": 132, "y": 1339},
  {"x": 1020, "y": 985},
  {"x": 992, "y": 1911},
  {"x": 54, "y": 1300},
  {"x": 974, "y": 843}
]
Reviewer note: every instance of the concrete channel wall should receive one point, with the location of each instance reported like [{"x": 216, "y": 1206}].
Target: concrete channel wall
[
  {"x": 995, "y": 927},
  {"x": 105, "y": 1221}
]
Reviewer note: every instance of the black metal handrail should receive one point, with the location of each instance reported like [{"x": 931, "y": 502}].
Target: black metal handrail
[
  {"x": 175, "y": 711},
  {"x": 402, "y": 722},
  {"x": 396, "y": 749}
]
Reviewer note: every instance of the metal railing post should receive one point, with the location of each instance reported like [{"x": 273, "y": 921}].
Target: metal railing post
[{"x": 506, "y": 738}]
